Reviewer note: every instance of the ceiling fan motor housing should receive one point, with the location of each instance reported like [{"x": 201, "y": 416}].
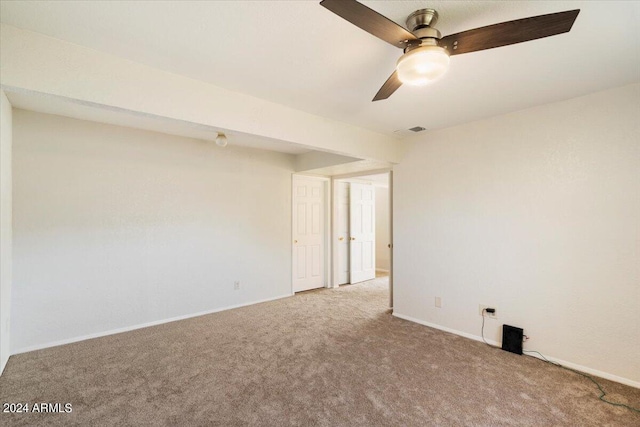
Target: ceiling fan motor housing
[
  {"x": 422, "y": 18},
  {"x": 420, "y": 23}
]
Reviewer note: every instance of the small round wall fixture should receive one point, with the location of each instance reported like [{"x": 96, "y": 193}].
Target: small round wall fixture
[{"x": 221, "y": 140}]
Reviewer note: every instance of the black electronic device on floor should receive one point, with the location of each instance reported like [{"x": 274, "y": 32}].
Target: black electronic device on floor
[{"x": 512, "y": 338}]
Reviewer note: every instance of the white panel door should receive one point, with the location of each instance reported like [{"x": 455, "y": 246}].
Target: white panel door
[
  {"x": 362, "y": 208},
  {"x": 342, "y": 224},
  {"x": 308, "y": 233}
]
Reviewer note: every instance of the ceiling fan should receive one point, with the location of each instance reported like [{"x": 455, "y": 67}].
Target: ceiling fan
[{"x": 426, "y": 52}]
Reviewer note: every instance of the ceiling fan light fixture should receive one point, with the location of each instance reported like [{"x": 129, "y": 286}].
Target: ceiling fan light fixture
[
  {"x": 422, "y": 65},
  {"x": 221, "y": 140}
]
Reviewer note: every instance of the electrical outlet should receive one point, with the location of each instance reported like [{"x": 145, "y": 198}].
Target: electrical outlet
[
  {"x": 493, "y": 315},
  {"x": 438, "y": 302},
  {"x": 236, "y": 285}
]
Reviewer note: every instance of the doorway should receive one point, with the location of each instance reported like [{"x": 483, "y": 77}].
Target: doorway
[{"x": 362, "y": 228}]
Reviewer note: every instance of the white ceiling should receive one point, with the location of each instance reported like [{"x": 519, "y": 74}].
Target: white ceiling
[{"x": 298, "y": 54}]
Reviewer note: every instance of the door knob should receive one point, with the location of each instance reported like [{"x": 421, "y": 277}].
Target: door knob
[
  {"x": 341, "y": 238},
  {"x": 389, "y": 245},
  {"x": 295, "y": 241},
  {"x": 353, "y": 238}
]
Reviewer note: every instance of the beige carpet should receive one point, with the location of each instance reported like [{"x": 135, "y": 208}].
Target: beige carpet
[{"x": 326, "y": 358}]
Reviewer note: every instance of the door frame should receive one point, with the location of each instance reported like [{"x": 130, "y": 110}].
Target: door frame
[
  {"x": 335, "y": 232},
  {"x": 328, "y": 219},
  {"x": 334, "y": 225}
]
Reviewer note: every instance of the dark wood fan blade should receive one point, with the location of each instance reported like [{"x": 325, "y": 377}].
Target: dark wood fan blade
[
  {"x": 391, "y": 85},
  {"x": 370, "y": 21},
  {"x": 511, "y": 32}
]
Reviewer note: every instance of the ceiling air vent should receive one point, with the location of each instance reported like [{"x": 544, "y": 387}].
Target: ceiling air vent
[{"x": 408, "y": 132}]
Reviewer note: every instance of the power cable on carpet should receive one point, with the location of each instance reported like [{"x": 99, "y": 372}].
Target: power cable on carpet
[{"x": 589, "y": 377}]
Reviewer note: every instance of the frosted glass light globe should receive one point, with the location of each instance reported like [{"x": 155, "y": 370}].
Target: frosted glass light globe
[
  {"x": 221, "y": 140},
  {"x": 422, "y": 65}
]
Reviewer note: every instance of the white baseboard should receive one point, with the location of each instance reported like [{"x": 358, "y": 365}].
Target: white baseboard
[
  {"x": 443, "y": 328},
  {"x": 571, "y": 365},
  {"x": 587, "y": 370},
  {"x": 140, "y": 326}
]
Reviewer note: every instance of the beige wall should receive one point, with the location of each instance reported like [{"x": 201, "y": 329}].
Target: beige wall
[
  {"x": 537, "y": 213},
  {"x": 5, "y": 227},
  {"x": 116, "y": 228}
]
